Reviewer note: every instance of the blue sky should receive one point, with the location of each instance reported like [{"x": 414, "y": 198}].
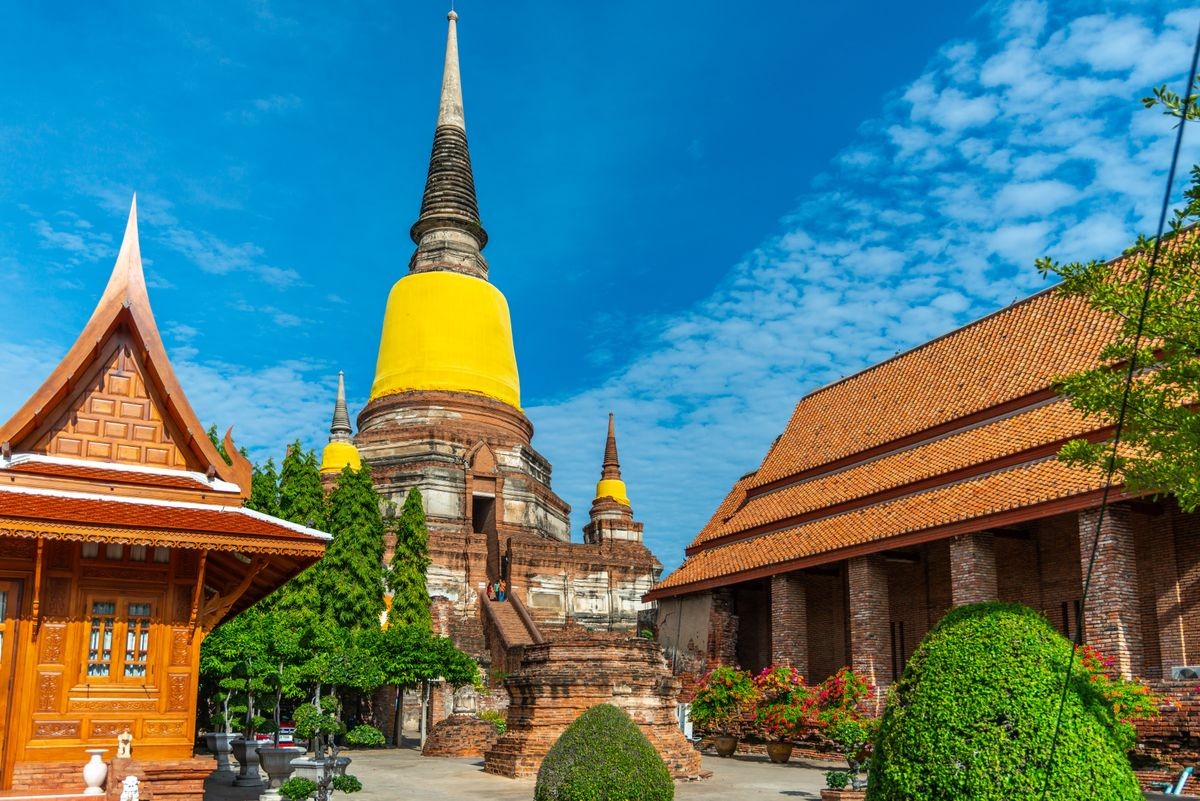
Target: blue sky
[{"x": 697, "y": 215}]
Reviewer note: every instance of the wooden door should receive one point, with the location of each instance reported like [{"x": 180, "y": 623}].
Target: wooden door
[{"x": 9, "y": 612}]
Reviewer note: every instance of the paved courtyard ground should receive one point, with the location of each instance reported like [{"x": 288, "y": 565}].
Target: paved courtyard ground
[{"x": 403, "y": 773}]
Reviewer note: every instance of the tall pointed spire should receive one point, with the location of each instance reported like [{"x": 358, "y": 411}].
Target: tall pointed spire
[
  {"x": 341, "y": 451},
  {"x": 340, "y": 430},
  {"x": 612, "y": 467},
  {"x": 610, "y": 484},
  {"x": 450, "y": 111},
  {"x": 448, "y": 232}
]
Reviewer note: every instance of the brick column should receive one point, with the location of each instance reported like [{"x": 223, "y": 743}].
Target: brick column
[
  {"x": 789, "y": 622},
  {"x": 870, "y": 614},
  {"x": 722, "y": 629},
  {"x": 973, "y": 568},
  {"x": 1112, "y": 619}
]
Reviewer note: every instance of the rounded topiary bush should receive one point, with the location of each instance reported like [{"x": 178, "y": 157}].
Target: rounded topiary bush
[
  {"x": 603, "y": 756},
  {"x": 973, "y": 717}
]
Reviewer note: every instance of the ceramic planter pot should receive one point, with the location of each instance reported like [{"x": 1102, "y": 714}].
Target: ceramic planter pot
[
  {"x": 95, "y": 771},
  {"x": 725, "y": 744},
  {"x": 843, "y": 795},
  {"x": 244, "y": 752},
  {"x": 277, "y": 762},
  {"x": 779, "y": 753},
  {"x": 218, "y": 745}
]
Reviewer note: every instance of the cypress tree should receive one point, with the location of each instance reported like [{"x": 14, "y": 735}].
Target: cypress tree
[
  {"x": 264, "y": 489},
  {"x": 301, "y": 496},
  {"x": 410, "y": 560},
  {"x": 302, "y": 500},
  {"x": 351, "y": 576}
]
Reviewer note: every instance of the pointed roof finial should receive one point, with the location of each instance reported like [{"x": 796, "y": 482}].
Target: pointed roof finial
[
  {"x": 127, "y": 279},
  {"x": 340, "y": 430},
  {"x": 612, "y": 467}
]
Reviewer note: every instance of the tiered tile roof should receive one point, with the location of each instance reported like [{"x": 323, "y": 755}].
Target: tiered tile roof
[{"x": 956, "y": 435}]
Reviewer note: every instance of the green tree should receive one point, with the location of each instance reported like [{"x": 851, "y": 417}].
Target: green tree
[
  {"x": 350, "y": 581},
  {"x": 410, "y": 560},
  {"x": 264, "y": 489},
  {"x": 218, "y": 443},
  {"x": 1161, "y": 438},
  {"x": 302, "y": 500}
]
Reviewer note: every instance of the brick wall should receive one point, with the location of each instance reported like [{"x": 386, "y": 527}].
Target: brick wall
[
  {"x": 973, "y": 568},
  {"x": 908, "y": 616},
  {"x": 828, "y": 631},
  {"x": 1112, "y": 617},
  {"x": 869, "y": 618},
  {"x": 752, "y": 602},
  {"x": 789, "y": 621}
]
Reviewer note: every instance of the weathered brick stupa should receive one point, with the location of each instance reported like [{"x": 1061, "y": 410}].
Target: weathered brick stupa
[
  {"x": 445, "y": 416},
  {"x": 561, "y": 680}
]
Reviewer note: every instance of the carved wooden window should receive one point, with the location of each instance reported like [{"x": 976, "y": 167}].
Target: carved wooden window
[
  {"x": 137, "y": 640},
  {"x": 118, "y": 644},
  {"x": 100, "y": 639}
]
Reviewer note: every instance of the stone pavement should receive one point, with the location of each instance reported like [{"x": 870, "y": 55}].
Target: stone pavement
[{"x": 394, "y": 774}]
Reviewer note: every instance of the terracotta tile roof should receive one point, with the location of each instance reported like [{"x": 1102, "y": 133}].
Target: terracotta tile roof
[
  {"x": 1043, "y": 426},
  {"x": 71, "y": 508},
  {"x": 960, "y": 429},
  {"x": 992, "y": 494},
  {"x": 1007, "y": 355}
]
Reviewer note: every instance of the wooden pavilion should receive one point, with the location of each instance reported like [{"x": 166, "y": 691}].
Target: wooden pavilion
[{"x": 123, "y": 542}]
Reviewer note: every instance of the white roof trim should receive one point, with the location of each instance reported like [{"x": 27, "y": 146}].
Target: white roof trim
[
  {"x": 218, "y": 485},
  {"x": 204, "y": 507}
]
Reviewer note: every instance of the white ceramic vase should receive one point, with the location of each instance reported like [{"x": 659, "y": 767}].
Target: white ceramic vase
[{"x": 95, "y": 772}]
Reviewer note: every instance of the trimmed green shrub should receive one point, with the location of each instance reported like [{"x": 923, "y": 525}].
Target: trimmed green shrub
[
  {"x": 297, "y": 789},
  {"x": 364, "y": 736},
  {"x": 603, "y": 756},
  {"x": 973, "y": 717}
]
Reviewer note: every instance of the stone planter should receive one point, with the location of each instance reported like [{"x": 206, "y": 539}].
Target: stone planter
[
  {"x": 244, "y": 752},
  {"x": 308, "y": 768},
  {"x": 340, "y": 764},
  {"x": 725, "y": 744},
  {"x": 779, "y": 753},
  {"x": 277, "y": 762},
  {"x": 217, "y": 743},
  {"x": 843, "y": 795}
]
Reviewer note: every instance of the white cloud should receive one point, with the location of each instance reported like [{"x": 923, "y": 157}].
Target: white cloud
[{"x": 1027, "y": 141}]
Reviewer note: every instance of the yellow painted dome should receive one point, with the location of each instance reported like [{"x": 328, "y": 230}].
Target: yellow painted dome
[
  {"x": 612, "y": 488},
  {"x": 449, "y": 331},
  {"x": 339, "y": 454}
]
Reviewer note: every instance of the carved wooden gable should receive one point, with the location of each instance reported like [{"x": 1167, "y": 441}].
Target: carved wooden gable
[{"x": 115, "y": 416}]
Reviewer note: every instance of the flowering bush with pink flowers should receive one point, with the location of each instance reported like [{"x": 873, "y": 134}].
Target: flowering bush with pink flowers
[
  {"x": 724, "y": 701},
  {"x": 785, "y": 703},
  {"x": 1129, "y": 700}
]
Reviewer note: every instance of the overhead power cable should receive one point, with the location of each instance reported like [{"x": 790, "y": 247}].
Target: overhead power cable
[{"x": 1151, "y": 271}]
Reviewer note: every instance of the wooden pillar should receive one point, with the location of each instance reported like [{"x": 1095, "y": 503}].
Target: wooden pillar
[
  {"x": 870, "y": 614},
  {"x": 1112, "y": 617},
  {"x": 789, "y": 621},
  {"x": 973, "y": 568}
]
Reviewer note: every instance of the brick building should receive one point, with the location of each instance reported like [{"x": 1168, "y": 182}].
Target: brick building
[
  {"x": 925, "y": 482},
  {"x": 445, "y": 415}
]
